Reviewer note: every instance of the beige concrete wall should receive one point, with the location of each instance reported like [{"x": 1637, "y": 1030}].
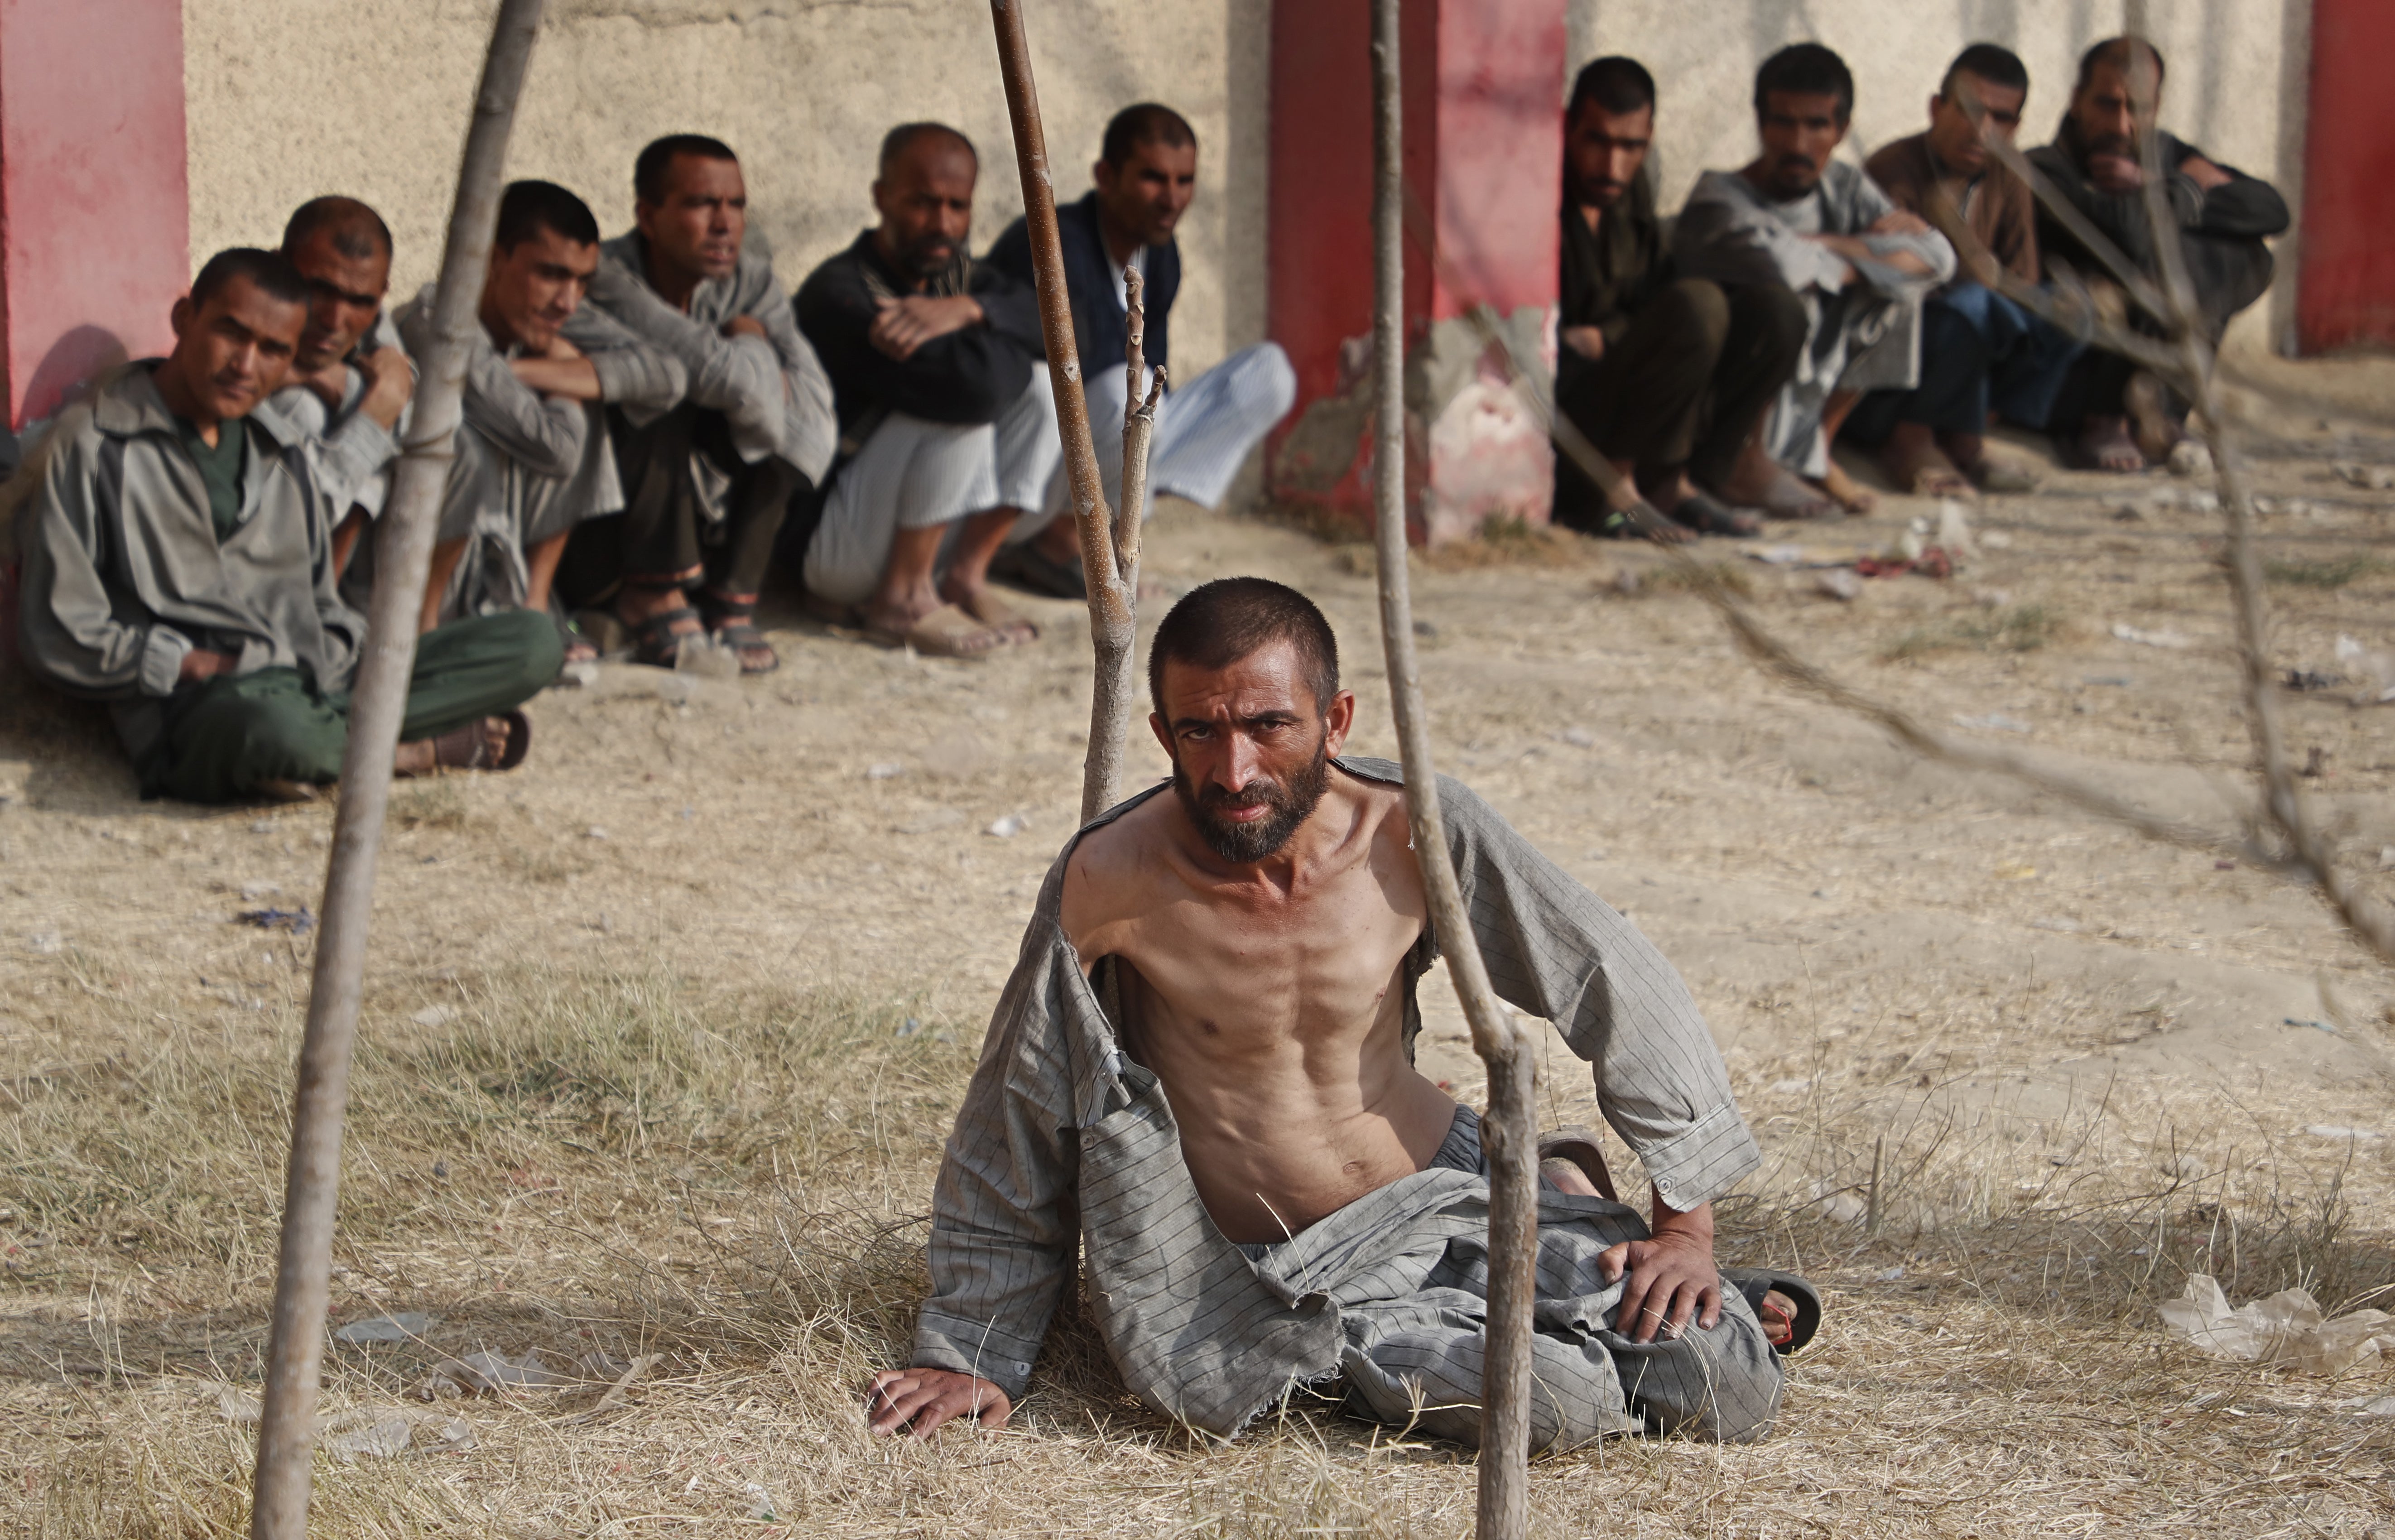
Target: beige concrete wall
[
  {"x": 289, "y": 99},
  {"x": 2235, "y": 70}
]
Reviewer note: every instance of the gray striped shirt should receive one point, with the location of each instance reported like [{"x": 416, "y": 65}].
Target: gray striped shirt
[{"x": 1060, "y": 1131}]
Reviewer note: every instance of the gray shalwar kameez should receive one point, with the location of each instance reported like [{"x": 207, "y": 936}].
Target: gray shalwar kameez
[
  {"x": 1865, "y": 336},
  {"x": 1388, "y": 1292},
  {"x": 530, "y": 467}
]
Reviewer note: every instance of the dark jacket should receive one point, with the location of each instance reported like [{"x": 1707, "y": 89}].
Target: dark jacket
[
  {"x": 1099, "y": 328},
  {"x": 2247, "y": 207},
  {"x": 969, "y": 376},
  {"x": 1610, "y": 272}
]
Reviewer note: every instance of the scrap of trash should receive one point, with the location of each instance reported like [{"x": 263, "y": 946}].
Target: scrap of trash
[
  {"x": 2286, "y": 1330},
  {"x": 362, "y": 1432},
  {"x": 298, "y": 921},
  {"x": 1928, "y": 548}
]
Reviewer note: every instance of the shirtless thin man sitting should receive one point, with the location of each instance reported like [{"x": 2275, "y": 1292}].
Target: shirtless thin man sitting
[{"x": 1247, "y": 946}]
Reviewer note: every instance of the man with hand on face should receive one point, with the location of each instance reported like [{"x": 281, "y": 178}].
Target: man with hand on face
[
  {"x": 1200, "y": 1077},
  {"x": 1146, "y": 174},
  {"x": 708, "y": 484},
  {"x": 178, "y": 566},
  {"x": 1824, "y": 231},
  {"x": 532, "y": 455},
  {"x": 1667, "y": 377},
  {"x": 2113, "y": 416},
  {"x": 1980, "y": 352},
  {"x": 351, "y": 380},
  {"x": 946, "y": 423}
]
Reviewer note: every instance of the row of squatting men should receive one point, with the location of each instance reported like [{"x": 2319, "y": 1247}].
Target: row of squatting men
[{"x": 649, "y": 421}]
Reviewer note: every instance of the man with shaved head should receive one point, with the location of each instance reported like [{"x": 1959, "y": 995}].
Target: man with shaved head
[
  {"x": 179, "y": 567},
  {"x": 350, "y": 379},
  {"x": 1146, "y": 174},
  {"x": 2112, "y": 416},
  {"x": 943, "y": 411},
  {"x": 706, "y": 484}
]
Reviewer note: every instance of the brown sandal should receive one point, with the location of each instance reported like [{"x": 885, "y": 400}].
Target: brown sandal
[{"x": 1578, "y": 1146}]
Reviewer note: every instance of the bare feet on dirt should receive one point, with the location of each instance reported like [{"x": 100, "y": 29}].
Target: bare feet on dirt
[
  {"x": 1916, "y": 463},
  {"x": 1849, "y": 492},
  {"x": 2104, "y": 445}
]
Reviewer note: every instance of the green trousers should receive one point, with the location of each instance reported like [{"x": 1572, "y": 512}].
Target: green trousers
[{"x": 227, "y": 736}]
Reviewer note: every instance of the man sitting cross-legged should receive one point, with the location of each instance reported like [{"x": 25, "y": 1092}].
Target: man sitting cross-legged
[
  {"x": 532, "y": 455},
  {"x": 351, "y": 380},
  {"x": 2111, "y": 415},
  {"x": 1201, "y": 1074},
  {"x": 1824, "y": 231},
  {"x": 178, "y": 566},
  {"x": 1146, "y": 174},
  {"x": 1980, "y": 352},
  {"x": 945, "y": 414},
  {"x": 708, "y": 484},
  {"x": 1667, "y": 377}
]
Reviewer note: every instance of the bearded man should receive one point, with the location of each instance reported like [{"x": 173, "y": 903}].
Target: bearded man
[{"x": 1202, "y": 1070}]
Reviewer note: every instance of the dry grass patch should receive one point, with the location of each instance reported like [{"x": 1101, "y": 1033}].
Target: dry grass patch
[{"x": 737, "y": 1182}]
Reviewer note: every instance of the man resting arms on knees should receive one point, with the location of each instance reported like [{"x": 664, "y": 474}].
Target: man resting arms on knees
[
  {"x": 178, "y": 566},
  {"x": 1202, "y": 1070}
]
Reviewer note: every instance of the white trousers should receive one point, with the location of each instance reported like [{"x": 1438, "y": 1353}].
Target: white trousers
[
  {"x": 1205, "y": 429},
  {"x": 915, "y": 474}
]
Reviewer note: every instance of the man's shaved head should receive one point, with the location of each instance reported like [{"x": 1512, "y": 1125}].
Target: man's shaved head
[
  {"x": 896, "y": 143},
  {"x": 355, "y": 230},
  {"x": 1216, "y": 624}
]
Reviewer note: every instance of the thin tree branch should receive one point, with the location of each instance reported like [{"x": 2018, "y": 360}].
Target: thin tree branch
[{"x": 1509, "y": 1131}]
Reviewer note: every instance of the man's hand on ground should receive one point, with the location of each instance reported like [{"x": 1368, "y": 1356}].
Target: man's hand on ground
[
  {"x": 199, "y": 663},
  {"x": 746, "y": 325},
  {"x": 1673, "y": 1277},
  {"x": 918, "y": 1401},
  {"x": 1587, "y": 341},
  {"x": 906, "y": 324},
  {"x": 389, "y": 382}
]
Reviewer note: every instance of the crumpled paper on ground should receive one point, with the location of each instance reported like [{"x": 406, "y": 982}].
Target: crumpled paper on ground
[
  {"x": 2287, "y": 1330},
  {"x": 362, "y": 1432}
]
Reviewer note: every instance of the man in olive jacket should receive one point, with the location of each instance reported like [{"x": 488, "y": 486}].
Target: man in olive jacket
[{"x": 178, "y": 565}]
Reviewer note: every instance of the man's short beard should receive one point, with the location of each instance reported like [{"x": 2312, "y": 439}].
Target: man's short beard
[{"x": 1245, "y": 843}]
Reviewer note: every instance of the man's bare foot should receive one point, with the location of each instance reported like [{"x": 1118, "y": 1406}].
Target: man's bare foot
[
  {"x": 1916, "y": 462},
  {"x": 494, "y": 743},
  {"x": 937, "y": 630},
  {"x": 980, "y": 600},
  {"x": 289, "y": 791},
  {"x": 1763, "y": 483},
  {"x": 1849, "y": 494},
  {"x": 2156, "y": 431},
  {"x": 2104, "y": 445},
  {"x": 1566, "y": 1176}
]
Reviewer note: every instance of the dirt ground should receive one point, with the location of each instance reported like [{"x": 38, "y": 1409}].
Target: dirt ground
[{"x": 2079, "y": 1061}]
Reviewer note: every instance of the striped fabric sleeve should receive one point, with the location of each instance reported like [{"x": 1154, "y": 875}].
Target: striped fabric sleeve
[
  {"x": 1555, "y": 949},
  {"x": 1004, "y": 1226}
]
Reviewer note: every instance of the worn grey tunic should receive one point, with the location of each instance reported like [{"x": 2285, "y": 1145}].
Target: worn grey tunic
[
  {"x": 123, "y": 574},
  {"x": 1058, "y": 1118},
  {"x": 529, "y": 466},
  {"x": 1865, "y": 337},
  {"x": 774, "y": 390}
]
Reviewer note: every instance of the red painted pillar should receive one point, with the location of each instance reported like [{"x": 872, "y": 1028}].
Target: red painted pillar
[
  {"x": 2346, "y": 282},
  {"x": 1483, "y": 162},
  {"x": 95, "y": 229}
]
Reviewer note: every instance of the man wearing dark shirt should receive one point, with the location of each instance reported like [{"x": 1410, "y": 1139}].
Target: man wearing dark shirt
[
  {"x": 1667, "y": 377},
  {"x": 942, "y": 409},
  {"x": 1980, "y": 352},
  {"x": 1146, "y": 174},
  {"x": 2223, "y": 214}
]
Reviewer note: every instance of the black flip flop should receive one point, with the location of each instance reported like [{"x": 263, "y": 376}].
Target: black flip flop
[
  {"x": 1754, "y": 1282},
  {"x": 1025, "y": 566}
]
